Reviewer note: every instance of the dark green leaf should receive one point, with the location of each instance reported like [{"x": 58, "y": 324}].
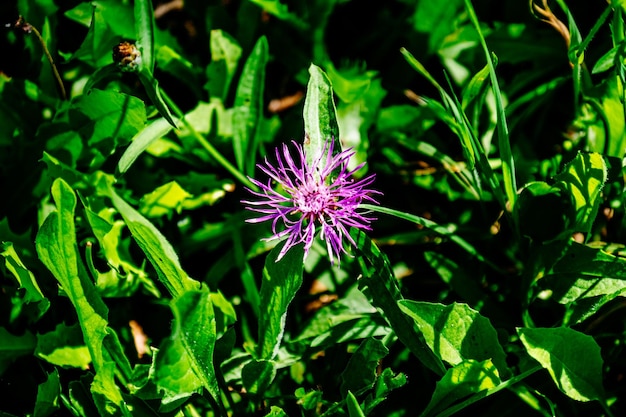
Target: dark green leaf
[
  {"x": 257, "y": 376},
  {"x": 13, "y": 347},
  {"x": 360, "y": 373},
  {"x": 48, "y": 395},
  {"x": 144, "y": 29}
]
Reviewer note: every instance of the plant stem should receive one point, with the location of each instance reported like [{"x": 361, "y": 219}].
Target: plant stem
[
  {"x": 429, "y": 224},
  {"x": 215, "y": 154},
  {"x": 57, "y": 76}
]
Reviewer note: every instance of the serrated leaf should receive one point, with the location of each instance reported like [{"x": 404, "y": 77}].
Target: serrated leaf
[
  {"x": 281, "y": 281},
  {"x": 456, "y": 332},
  {"x": 572, "y": 358}
]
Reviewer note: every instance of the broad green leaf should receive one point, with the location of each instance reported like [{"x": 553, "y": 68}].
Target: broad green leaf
[
  {"x": 24, "y": 277},
  {"x": 105, "y": 116},
  {"x": 96, "y": 48},
  {"x": 141, "y": 141},
  {"x": 13, "y": 347},
  {"x": 248, "y": 109},
  {"x": 195, "y": 328},
  {"x": 257, "y": 376},
  {"x": 360, "y": 373},
  {"x": 144, "y": 31},
  {"x": 48, "y": 395},
  {"x": 320, "y": 116},
  {"x": 585, "y": 272},
  {"x": 572, "y": 358},
  {"x": 57, "y": 248},
  {"x": 465, "y": 378},
  {"x": 354, "y": 409},
  {"x": 64, "y": 346},
  {"x": 225, "y": 54},
  {"x": 159, "y": 251},
  {"x": 477, "y": 86},
  {"x": 348, "y": 328},
  {"x": 583, "y": 178},
  {"x": 456, "y": 332},
  {"x": 380, "y": 286},
  {"x": 281, "y": 281},
  {"x": 174, "y": 375}
]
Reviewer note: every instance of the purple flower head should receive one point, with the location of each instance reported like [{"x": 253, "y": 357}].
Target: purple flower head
[{"x": 321, "y": 194}]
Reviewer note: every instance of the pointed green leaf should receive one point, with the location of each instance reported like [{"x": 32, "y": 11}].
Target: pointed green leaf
[
  {"x": 380, "y": 286},
  {"x": 320, "y": 115},
  {"x": 281, "y": 281},
  {"x": 248, "y": 109},
  {"x": 195, "y": 327},
  {"x": 572, "y": 358},
  {"x": 57, "y": 248},
  {"x": 144, "y": 30},
  {"x": 354, "y": 409},
  {"x": 141, "y": 141},
  {"x": 158, "y": 250},
  {"x": 154, "y": 92}
]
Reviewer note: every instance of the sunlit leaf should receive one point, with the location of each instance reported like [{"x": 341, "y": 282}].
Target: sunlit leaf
[
  {"x": 560, "y": 350},
  {"x": 281, "y": 281},
  {"x": 465, "y": 378},
  {"x": 456, "y": 332}
]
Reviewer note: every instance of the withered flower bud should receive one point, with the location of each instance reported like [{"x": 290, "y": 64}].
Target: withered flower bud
[{"x": 127, "y": 56}]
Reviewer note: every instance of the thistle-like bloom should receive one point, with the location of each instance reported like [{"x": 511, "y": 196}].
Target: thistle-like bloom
[{"x": 321, "y": 194}]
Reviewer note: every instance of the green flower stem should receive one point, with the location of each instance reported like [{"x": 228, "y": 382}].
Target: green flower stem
[
  {"x": 215, "y": 154},
  {"x": 429, "y": 224}
]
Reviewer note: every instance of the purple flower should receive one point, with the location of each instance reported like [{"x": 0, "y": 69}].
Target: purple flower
[{"x": 321, "y": 194}]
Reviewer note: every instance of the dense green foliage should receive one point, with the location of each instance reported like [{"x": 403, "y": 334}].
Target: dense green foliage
[{"x": 492, "y": 282}]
